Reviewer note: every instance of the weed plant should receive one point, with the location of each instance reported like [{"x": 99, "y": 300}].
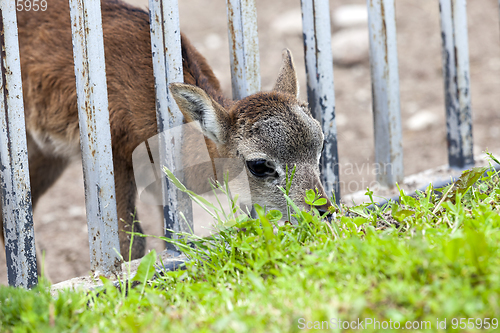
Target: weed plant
[{"x": 430, "y": 261}]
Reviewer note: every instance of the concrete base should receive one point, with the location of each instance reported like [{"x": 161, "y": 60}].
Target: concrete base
[
  {"x": 165, "y": 259},
  {"x": 439, "y": 177}
]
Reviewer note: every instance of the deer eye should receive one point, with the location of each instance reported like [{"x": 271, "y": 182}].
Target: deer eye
[{"x": 261, "y": 168}]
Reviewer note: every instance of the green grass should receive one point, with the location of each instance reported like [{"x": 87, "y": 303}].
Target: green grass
[{"x": 426, "y": 259}]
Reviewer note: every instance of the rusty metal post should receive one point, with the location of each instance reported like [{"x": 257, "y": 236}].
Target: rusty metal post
[
  {"x": 95, "y": 136},
  {"x": 243, "y": 47},
  {"x": 385, "y": 89},
  {"x": 16, "y": 191},
  {"x": 167, "y": 66},
  {"x": 455, "y": 50},
  {"x": 320, "y": 86}
]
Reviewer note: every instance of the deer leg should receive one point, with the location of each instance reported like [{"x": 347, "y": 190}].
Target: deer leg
[
  {"x": 45, "y": 170},
  {"x": 125, "y": 202}
]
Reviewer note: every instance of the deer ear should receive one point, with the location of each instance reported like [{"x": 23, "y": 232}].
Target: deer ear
[
  {"x": 196, "y": 105},
  {"x": 287, "y": 78}
]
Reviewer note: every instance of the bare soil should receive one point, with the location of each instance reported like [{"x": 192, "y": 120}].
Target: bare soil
[{"x": 60, "y": 226}]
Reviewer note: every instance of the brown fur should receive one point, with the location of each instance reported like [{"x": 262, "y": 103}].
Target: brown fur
[{"x": 255, "y": 123}]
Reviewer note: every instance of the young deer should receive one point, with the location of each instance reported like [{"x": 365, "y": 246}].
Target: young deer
[{"x": 266, "y": 131}]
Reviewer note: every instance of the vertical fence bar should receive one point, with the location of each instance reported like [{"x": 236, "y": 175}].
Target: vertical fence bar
[
  {"x": 95, "y": 136},
  {"x": 167, "y": 66},
  {"x": 455, "y": 50},
  {"x": 243, "y": 47},
  {"x": 385, "y": 90},
  {"x": 320, "y": 85},
  {"x": 16, "y": 191}
]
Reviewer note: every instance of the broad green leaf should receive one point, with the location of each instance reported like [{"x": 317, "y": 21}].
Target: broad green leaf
[
  {"x": 408, "y": 201},
  {"x": 452, "y": 248},
  {"x": 146, "y": 269},
  {"x": 345, "y": 219},
  {"x": 229, "y": 223},
  {"x": 350, "y": 224},
  {"x": 359, "y": 221},
  {"x": 360, "y": 210},
  {"x": 402, "y": 214},
  {"x": 307, "y": 216},
  {"x": 274, "y": 215},
  {"x": 394, "y": 208},
  {"x": 320, "y": 202},
  {"x": 310, "y": 196},
  {"x": 370, "y": 231},
  {"x": 479, "y": 252},
  {"x": 466, "y": 180}
]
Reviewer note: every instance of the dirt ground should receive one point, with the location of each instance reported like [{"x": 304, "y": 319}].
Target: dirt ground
[{"x": 60, "y": 225}]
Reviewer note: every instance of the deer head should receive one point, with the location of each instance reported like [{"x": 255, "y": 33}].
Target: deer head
[{"x": 266, "y": 132}]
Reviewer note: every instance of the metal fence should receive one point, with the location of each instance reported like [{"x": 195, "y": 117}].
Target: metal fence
[{"x": 244, "y": 56}]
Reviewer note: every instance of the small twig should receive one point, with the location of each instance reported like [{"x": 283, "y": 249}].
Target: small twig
[{"x": 442, "y": 199}]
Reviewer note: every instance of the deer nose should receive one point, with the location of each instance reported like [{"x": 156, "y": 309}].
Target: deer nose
[{"x": 323, "y": 212}]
